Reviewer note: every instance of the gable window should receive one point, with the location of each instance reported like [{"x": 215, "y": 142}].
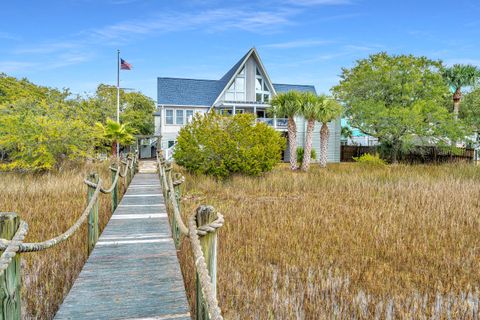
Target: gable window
[
  {"x": 262, "y": 93},
  {"x": 188, "y": 116},
  {"x": 179, "y": 116},
  {"x": 236, "y": 91},
  {"x": 169, "y": 116}
]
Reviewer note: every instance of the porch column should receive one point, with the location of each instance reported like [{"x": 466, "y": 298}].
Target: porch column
[
  {"x": 255, "y": 110},
  {"x": 234, "y": 110},
  {"x": 275, "y": 121}
]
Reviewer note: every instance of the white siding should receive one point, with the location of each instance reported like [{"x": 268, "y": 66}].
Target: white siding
[{"x": 333, "y": 141}]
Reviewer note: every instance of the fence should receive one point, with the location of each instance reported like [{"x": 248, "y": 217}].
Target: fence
[
  {"x": 420, "y": 154},
  {"x": 202, "y": 232},
  {"x": 13, "y": 231}
]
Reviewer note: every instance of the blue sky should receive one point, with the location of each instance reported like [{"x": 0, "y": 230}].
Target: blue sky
[{"x": 72, "y": 43}]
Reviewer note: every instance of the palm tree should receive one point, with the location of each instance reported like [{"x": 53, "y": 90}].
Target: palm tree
[
  {"x": 329, "y": 109},
  {"x": 310, "y": 107},
  {"x": 457, "y": 77},
  {"x": 288, "y": 105},
  {"x": 114, "y": 133}
]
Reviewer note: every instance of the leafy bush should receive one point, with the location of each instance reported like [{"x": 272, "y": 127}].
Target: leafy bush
[
  {"x": 301, "y": 151},
  {"x": 223, "y": 145},
  {"x": 370, "y": 159}
]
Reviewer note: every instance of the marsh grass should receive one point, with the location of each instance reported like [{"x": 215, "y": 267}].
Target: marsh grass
[
  {"x": 50, "y": 203},
  {"x": 349, "y": 241}
]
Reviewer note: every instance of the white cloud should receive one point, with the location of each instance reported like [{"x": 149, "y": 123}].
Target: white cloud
[
  {"x": 297, "y": 44},
  {"x": 14, "y": 66},
  {"x": 318, "y": 2},
  {"x": 452, "y": 61}
]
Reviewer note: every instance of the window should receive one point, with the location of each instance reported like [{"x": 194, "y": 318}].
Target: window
[
  {"x": 179, "y": 116},
  {"x": 226, "y": 112},
  {"x": 236, "y": 91},
  {"x": 171, "y": 143},
  {"x": 262, "y": 93},
  {"x": 169, "y": 116},
  {"x": 189, "y": 115}
]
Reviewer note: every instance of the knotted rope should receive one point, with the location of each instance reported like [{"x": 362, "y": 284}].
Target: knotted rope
[
  {"x": 16, "y": 245},
  {"x": 193, "y": 232},
  {"x": 39, "y": 246},
  {"x": 13, "y": 246}
]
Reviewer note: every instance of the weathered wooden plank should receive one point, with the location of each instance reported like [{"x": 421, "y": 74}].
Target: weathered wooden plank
[{"x": 133, "y": 272}]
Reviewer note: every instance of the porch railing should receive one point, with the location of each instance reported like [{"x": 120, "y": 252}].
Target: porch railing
[{"x": 277, "y": 123}]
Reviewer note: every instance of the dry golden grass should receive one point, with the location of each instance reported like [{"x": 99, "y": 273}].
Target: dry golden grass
[
  {"x": 50, "y": 204},
  {"x": 349, "y": 241}
]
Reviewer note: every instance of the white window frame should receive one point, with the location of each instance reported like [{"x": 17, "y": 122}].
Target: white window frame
[
  {"x": 263, "y": 84},
  {"x": 186, "y": 117},
  {"x": 182, "y": 117},
  {"x": 166, "y": 117},
  {"x": 236, "y": 93}
]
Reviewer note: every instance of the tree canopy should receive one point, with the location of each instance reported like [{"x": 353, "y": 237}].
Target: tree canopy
[
  {"x": 400, "y": 99},
  {"x": 41, "y": 127}
]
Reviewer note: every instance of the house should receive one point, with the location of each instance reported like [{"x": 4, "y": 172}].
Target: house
[
  {"x": 358, "y": 138},
  {"x": 245, "y": 88}
]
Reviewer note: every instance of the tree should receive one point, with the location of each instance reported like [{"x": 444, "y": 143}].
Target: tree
[
  {"x": 328, "y": 110},
  {"x": 221, "y": 146},
  {"x": 310, "y": 108},
  {"x": 458, "y": 77},
  {"x": 114, "y": 132},
  {"x": 399, "y": 99},
  {"x": 135, "y": 108},
  {"x": 288, "y": 105},
  {"x": 40, "y": 127},
  {"x": 346, "y": 133}
]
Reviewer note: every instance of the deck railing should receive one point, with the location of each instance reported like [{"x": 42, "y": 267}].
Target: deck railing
[
  {"x": 274, "y": 122},
  {"x": 13, "y": 231},
  {"x": 202, "y": 232}
]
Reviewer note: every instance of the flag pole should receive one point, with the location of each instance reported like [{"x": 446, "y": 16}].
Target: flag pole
[{"x": 118, "y": 96}]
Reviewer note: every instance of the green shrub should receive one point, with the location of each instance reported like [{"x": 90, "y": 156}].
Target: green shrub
[
  {"x": 223, "y": 145},
  {"x": 301, "y": 151},
  {"x": 370, "y": 159}
]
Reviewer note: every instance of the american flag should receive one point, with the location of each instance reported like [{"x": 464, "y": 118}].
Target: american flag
[{"x": 124, "y": 65}]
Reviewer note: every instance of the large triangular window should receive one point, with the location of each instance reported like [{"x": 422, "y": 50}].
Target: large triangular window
[
  {"x": 236, "y": 91},
  {"x": 262, "y": 93}
]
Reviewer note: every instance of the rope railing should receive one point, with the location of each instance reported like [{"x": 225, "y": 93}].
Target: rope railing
[
  {"x": 13, "y": 231},
  {"x": 202, "y": 232}
]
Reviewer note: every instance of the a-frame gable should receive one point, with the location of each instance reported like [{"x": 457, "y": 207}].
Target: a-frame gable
[{"x": 230, "y": 76}]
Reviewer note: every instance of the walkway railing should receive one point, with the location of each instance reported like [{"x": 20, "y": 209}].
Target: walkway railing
[
  {"x": 13, "y": 231},
  {"x": 202, "y": 232}
]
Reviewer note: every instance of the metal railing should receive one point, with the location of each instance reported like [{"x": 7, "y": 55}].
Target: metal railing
[
  {"x": 274, "y": 122},
  {"x": 13, "y": 231},
  {"x": 202, "y": 232}
]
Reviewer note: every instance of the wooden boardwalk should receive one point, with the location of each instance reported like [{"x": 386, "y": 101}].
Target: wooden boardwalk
[{"x": 133, "y": 272}]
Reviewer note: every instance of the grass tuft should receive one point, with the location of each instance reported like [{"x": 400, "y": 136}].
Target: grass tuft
[
  {"x": 50, "y": 203},
  {"x": 348, "y": 241}
]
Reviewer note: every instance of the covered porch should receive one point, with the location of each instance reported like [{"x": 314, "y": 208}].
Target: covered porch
[{"x": 258, "y": 109}]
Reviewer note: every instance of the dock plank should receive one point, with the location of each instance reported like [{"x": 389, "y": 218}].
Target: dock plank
[{"x": 133, "y": 271}]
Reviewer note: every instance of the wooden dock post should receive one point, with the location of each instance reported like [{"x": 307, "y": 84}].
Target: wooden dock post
[
  {"x": 208, "y": 242},
  {"x": 93, "y": 215},
  {"x": 10, "y": 307},
  {"x": 114, "y": 168}
]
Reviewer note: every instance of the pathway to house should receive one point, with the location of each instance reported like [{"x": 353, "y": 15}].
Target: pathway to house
[{"x": 133, "y": 272}]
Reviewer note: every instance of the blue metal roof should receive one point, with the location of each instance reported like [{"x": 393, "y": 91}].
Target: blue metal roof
[
  {"x": 195, "y": 92},
  {"x": 189, "y": 92},
  {"x": 280, "y": 87}
]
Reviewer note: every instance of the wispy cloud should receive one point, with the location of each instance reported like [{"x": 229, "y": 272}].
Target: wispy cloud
[
  {"x": 304, "y": 43},
  {"x": 8, "y": 36},
  {"x": 318, "y": 2},
  {"x": 452, "y": 61},
  {"x": 262, "y": 22},
  {"x": 14, "y": 66}
]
